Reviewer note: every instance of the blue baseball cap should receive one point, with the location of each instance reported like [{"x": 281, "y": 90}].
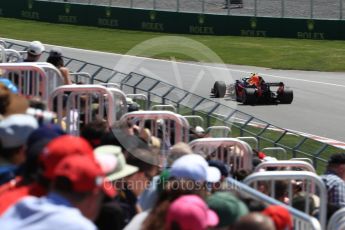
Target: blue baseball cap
[
  {"x": 9, "y": 85},
  {"x": 15, "y": 130}
]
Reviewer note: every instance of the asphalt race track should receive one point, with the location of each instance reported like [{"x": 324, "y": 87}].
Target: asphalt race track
[
  {"x": 318, "y": 106},
  {"x": 267, "y": 8}
]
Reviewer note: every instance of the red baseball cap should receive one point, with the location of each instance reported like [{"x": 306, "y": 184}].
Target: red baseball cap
[
  {"x": 84, "y": 173},
  {"x": 280, "y": 216},
  {"x": 61, "y": 147},
  {"x": 190, "y": 212}
]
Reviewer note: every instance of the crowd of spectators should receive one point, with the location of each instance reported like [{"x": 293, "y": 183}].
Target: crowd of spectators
[{"x": 116, "y": 178}]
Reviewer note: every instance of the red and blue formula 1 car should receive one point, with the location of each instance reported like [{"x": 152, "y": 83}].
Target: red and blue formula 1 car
[{"x": 254, "y": 90}]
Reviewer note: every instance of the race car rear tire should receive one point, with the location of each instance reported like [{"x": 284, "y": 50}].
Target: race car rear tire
[
  {"x": 219, "y": 89},
  {"x": 249, "y": 96},
  {"x": 286, "y": 97}
]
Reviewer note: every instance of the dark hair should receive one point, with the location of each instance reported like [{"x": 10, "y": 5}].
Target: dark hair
[
  {"x": 94, "y": 131},
  {"x": 336, "y": 159},
  {"x": 145, "y": 160},
  {"x": 64, "y": 102},
  {"x": 173, "y": 189},
  {"x": 9, "y": 153},
  {"x": 64, "y": 186},
  {"x": 253, "y": 205},
  {"x": 241, "y": 174},
  {"x": 4, "y": 99},
  {"x": 56, "y": 61},
  {"x": 37, "y": 103},
  {"x": 281, "y": 187}
]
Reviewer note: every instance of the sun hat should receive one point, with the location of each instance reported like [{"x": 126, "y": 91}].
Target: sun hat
[
  {"x": 84, "y": 173},
  {"x": 190, "y": 212},
  {"x": 15, "y": 130},
  {"x": 194, "y": 167},
  {"x": 61, "y": 147},
  {"x": 113, "y": 161},
  {"x": 228, "y": 207}
]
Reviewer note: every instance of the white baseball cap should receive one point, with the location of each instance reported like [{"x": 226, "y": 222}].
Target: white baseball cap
[
  {"x": 194, "y": 167},
  {"x": 35, "y": 48}
]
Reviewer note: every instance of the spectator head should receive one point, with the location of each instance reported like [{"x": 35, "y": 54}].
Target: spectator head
[
  {"x": 280, "y": 216},
  {"x": 37, "y": 140},
  {"x": 113, "y": 162},
  {"x": 132, "y": 105},
  {"x": 171, "y": 190},
  {"x": 14, "y": 132},
  {"x": 281, "y": 190},
  {"x": 190, "y": 212},
  {"x": 194, "y": 167},
  {"x": 81, "y": 180},
  {"x": 37, "y": 103},
  {"x": 228, "y": 207},
  {"x": 10, "y": 101},
  {"x": 55, "y": 57},
  {"x": 241, "y": 174},
  {"x": 178, "y": 150},
  {"x": 148, "y": 164},
  {"x": 254, "y": 220},
  {"x": 299, "y": 202},
  {"x": 8, "y": 84},
  {"x": 252, "y": 204},
  {"x": 223, "y": 168},
  {"x": 61, "y": 147},
  {"x": 94, "y": 131},
  {"x": 336, "y": 163},
  {"x": 35, "y": 50}
]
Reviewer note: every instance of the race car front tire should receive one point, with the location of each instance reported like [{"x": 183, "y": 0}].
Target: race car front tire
[{"x": 219, "y": 89}]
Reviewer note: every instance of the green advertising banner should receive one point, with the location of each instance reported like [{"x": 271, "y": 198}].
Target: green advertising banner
[{"x": 172, "y": 22}]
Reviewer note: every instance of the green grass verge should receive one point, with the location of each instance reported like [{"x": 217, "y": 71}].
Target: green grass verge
[{"x": 265, "y": 52}]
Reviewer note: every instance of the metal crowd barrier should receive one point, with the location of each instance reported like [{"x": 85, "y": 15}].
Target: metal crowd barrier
[
  {"x": 286, "y": 164},
  {"x": 276, "y": 150},
  {"x": 310, "y": 161},
  {"x": 250, "y": 139},
  {"x": 10, "y": 55},
  {"x": 3, "y": 43},
  {"x": 111, "y": 85},
  {"x": 214, "y": 131},
  {"x": 174, "y": 127},
  {"x": 308, "y": 178},
  {"x": 81, "y": 77},
  {"x": 164, "y": 107},
  {"x": 337, "y": 220},
  {"x": 235, "y": 153},
  {"x": 301, "y": 220},
  {"x": 33, "y": 78},
  {"x": 141, "y": 97},
  {"x": 195, "y": 120},
  {"x": 77, "y": 105}
]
